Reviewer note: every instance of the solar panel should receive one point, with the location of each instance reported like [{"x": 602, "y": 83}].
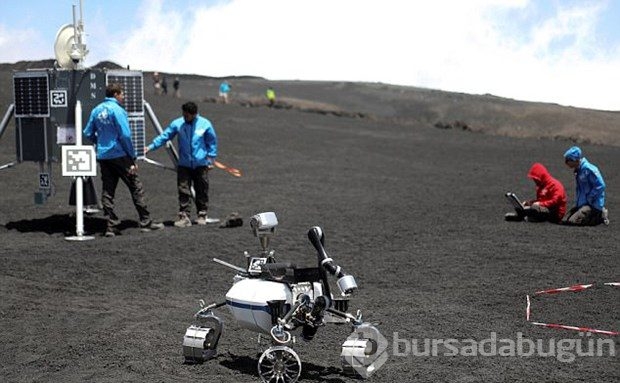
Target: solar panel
[
  {"x": 31, "y": 94},
  {"x": 138, "y": 138},
  {"x": 132, "y": 83}
]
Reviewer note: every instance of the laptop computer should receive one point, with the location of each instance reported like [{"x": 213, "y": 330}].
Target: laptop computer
[{"x": 515, "y": 201}]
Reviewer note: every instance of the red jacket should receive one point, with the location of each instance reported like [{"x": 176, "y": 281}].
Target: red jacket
[{"x": 549, "y": 191}]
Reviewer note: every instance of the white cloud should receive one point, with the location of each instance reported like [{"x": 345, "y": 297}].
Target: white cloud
[
  {"x": 391, "y": 41},
  {"x": 156, "y": 42},
  {"x": 20, "y": 44},
  {"x": 573, "y": 28},
  {"x": 561, "y": 62}
]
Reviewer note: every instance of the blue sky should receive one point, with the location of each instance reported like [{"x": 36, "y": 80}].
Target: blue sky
[{"x": 565, "y": 52}]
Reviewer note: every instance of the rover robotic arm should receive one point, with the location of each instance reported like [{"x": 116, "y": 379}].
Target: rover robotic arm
[{"x": 346, "y": 283}]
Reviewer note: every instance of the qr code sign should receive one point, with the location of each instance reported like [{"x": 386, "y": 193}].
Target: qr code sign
[
  {"x": 78, "y": 161},
  {"x": 44, "y": 180},
  {"x": 58, "y": 98}
]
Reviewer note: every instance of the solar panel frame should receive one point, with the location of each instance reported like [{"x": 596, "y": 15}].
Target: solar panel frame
[{"x": 31, "y": 94}]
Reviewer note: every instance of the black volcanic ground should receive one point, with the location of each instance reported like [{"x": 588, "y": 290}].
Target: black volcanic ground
[{"x": 408, "y": 187}]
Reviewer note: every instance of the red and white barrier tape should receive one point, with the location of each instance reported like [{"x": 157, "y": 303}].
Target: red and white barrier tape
[
  {"x": 527, "y": 309},
  {"x": 575, "y": 328},
  {"x": 574, "y": 288}
]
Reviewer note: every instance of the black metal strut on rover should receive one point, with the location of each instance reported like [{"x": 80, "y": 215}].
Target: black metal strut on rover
[{"x": 346, "y": 282}]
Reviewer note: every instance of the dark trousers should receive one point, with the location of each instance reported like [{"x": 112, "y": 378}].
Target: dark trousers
[
  {"x": 540, "y": 214},
  {"x": 585, "y": 215},
  {"x": 111, "y": 172},
  {"x": 199, "y": 178},
  {"x": 535, "y": 213}
]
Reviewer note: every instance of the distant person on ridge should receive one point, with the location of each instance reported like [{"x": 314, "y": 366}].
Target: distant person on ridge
[
  {"x": 197, "y": 151},
  {"x": 164, "y": 86},
  {"x": 589, "y": 209},
  {"x": 108, "y": 128},
  {"x": 176, "y": 85},
  {"x": 157, "y": 83},
  {"x": 271, "y": 96},
  {"x": 224, "y": 90},
  {"x": 550, "y": 202}
]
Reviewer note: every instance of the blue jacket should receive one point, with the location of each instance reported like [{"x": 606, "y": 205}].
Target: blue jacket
[
  {"x": 590, "y": 185},
  {"x": 197, "y": 141},
  {"x": 224, "y": 87},
  {"x": 108, "y": 128}
]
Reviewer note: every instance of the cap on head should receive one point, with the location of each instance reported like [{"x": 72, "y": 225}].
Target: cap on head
[{"x": 573, "y": 154}]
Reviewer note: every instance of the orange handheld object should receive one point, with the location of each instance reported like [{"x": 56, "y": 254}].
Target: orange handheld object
[{"x": 231, "y": 171}]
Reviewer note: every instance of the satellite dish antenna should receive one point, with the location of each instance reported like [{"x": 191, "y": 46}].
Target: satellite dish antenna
[
  {"x": 65, "y": 40},
  {"x": 69, "y": 47}
]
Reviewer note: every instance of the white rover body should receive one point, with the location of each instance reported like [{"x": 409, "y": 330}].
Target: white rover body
[{"x": 275, "y": 299}]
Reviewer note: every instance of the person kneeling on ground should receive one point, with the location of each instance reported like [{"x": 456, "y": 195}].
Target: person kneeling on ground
[
  {"x": 589, "y": 209},
  {"x": 550, "y": 202}
]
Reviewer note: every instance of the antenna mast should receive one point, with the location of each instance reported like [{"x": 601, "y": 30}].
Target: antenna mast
[{"x": 78, "y": 49}]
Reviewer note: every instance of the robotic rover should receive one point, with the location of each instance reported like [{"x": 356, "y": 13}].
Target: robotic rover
[{"x": 274, "y": 299}]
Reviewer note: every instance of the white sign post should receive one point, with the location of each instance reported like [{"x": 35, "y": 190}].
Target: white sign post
[{"x": 79, "y": 161}]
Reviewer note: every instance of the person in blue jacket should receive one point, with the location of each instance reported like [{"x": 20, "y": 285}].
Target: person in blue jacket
[
  {"x": 108, "y": 128},
  {"x": 224, "y": 90},
  {"x": 589, "y": 209},
  {"x": 197, "y": 151}
]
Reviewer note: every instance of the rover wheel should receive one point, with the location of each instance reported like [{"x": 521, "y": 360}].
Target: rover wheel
[
  {"x": 364, "y": 351},
  {"x": 279, "y": 364}
]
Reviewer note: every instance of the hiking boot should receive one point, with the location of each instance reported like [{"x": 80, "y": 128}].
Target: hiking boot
[
  {"x": 204, "y": 219},
  {"x": 183, "y": 221},
  {"x": 605, "y": 216},
  {"x": 201, "y": 220},
  {"x": 150, "y": 226},
  {"x": 513, "y": 217}
]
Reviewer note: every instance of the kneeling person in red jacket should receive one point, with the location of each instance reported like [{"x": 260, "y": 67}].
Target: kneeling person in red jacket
[{"x": 550, "y": 202}]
